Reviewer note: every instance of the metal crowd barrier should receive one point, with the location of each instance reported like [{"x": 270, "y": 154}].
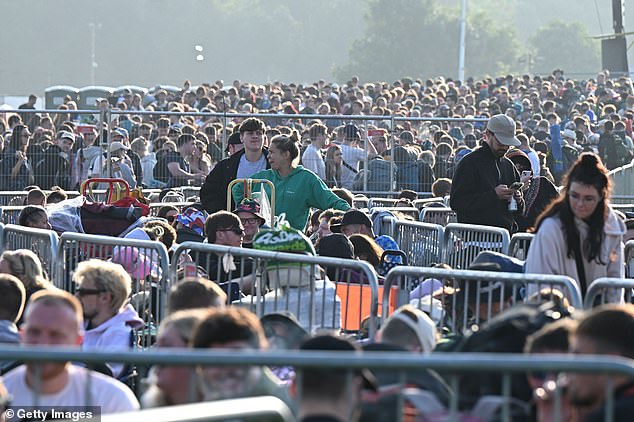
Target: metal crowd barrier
[
  {"x": 43, "y": 242},
  {"x": 409, "y": 211},
  {"x": 385, "y": 226},
  {"x": 360, "y": 201},
  {"x": 629, "y": 259},
  {"x": 421, "y": 203},
  {"x": 463, "y": 242},
  {"x": 252, "y": 409},
  {"x": 421, "y": 242},
  {"x": 455, "y": 298},
  {"x": 520, "y": 242},
  {"x": 17, "y": 198},
  {"x": 623, "y": 207},
  {"x": 322, "y": 292},
  {"x": 181, "y": 206},
  {"x": 438, "y": 215},
  {"x": 455, "y": 367},
  {"x": 598, "y": 292},
  {"x": 146, "y": 261},
  {"x": 382, "y": 202},
  {"x": 10, "y": 213}
]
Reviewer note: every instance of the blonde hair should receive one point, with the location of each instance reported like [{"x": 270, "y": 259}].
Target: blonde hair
[
  {"x": 108, "y": 276},
  {"x": 25, "y": 265},
  {"x": 57, "y": 297}
]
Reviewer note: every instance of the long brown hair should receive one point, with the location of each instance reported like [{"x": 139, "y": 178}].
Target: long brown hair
[{"x": 587, "y": 170}]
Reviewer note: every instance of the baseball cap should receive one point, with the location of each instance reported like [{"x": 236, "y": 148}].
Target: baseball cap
[
  {"x": 503, "y": 127},
  {"x": 251, "y": 206},
  {"x": 354, "y": 216},
  {"x": 120, "y": 131},
  {"x": 569, "y": 134},
  {"x": 351, "y": 131},
  {"x": 334, "y": 343},
  {"x": 66, "y": 135},
  {"x": 422, "y": 325},
  {"x": 234, "y": 139},
  {"x": 116, "y": 145}
]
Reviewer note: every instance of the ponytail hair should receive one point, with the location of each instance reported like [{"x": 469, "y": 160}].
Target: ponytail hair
[{"x": 288, "y": 143}]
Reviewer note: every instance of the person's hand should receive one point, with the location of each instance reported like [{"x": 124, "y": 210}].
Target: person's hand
[
  {"x": 503, "y": 192},
  {"x": 20, "y": 155}
]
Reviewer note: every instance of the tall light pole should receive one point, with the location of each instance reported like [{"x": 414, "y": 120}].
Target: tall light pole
[
  {"x": 463, "y": 24},
  {"x": 93, "y": 60}
]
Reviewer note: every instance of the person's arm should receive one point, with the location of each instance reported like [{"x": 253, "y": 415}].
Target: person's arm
[
  {"x": 18, "y": 164},
  {"x": 370, "y": 148},
  {"x": 616, "y": 268},
  {"x": 323, "y": 198},
  {"x": 176, "y": 171}
]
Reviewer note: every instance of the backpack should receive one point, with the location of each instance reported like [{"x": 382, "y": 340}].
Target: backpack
[
  {"x": 381, "y": 176},
  {"x": 569, "y": 156},
  {"x": 505, "y": 333},
  {"x": 409, "y": 176},
  {"x": 621, "y": 151}
]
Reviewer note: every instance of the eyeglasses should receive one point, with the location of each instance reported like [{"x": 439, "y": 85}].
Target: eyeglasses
[
  {"x": 574, "y": 196},
  {"x": 250, "y": 220},
  {"x": 86, "y": 292},
  {"x": 235, "y": 230}
]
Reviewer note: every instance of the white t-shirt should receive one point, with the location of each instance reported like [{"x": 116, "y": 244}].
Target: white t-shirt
[
  {"x": 351, "y": 156},
  {"x": 246, "y": 168},
  {"x": 311, "y": 159},
  {"x": 108, "y": 393}
]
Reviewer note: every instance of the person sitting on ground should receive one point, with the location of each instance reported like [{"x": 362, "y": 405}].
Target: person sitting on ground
[
  {"x": 552, "y": 338},
  {"x": 596, "y": 335},
  {"x": 35, "y": 197},
  {"x": 225, "y": 229},
  {"x": 57, "y": 195},
  {"x": 103, "y": 289},
  {"x": 54, "y": 318},
  {"x": 236, "y": 329},
  {"x": 331, "y": 394},
  {"x": 248, "y": 210},
  {"x": 195, "y": 292},
  {"x": 12, "y": 301},
  {"x": 190, "y": 225},
  {"x": 34, "y": 216},
  {"x": 172, "y": 385},
  {"x": 366, "y": 249},
  {"x": 26, "y": 266}
]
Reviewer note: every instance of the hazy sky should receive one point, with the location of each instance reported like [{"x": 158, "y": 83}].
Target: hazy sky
[{"x": 147, "y": 42}]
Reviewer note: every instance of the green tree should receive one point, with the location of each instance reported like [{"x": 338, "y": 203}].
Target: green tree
[
  {"x": 414, "y": 37},
  {"x": 566, "y": 46}
]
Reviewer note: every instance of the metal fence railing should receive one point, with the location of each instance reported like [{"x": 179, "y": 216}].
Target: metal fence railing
[
  {"x": 463, "y": 242},
  {"x": 181, "y": 206},
  {"x": 458, "y": 299},
  {"x": 10, "y": 213},
  {"x": 146, "y": 261},
  {"x": 602, "y": 290},
  {"x": 520, "y": 242},
  {"x": 503, "y": 378},
  {"x": 43, "y": 242},
  {"x": 437, "y": 215},
  {"x": 421, "y": 242},
  {"x": 629, "y": 259},
  {"x": 329, "y": 293}
]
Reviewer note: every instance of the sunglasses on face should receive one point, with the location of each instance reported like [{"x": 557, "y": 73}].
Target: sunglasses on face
[
  {"x": 236, "y": 230},
  {"x": 81, "y": 292}
]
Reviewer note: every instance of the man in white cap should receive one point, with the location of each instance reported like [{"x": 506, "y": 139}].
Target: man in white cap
[{"x": 482, "y": 190}]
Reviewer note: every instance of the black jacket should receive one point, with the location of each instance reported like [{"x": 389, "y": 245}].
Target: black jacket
[
  {"x": 213, "y": 193},
  {"x": 623, "y": 405},
  {"x": 52, "y": 169},
  {"x": 473, "y": 196}
]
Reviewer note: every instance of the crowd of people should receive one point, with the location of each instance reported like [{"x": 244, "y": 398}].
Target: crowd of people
[{"x": 527, "y": 154}]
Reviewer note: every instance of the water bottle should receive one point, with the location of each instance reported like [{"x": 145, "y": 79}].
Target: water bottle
[{"x": 513, "y": 204}]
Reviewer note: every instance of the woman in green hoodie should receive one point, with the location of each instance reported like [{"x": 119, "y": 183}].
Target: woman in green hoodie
[{"x": 296, "y": 188}]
